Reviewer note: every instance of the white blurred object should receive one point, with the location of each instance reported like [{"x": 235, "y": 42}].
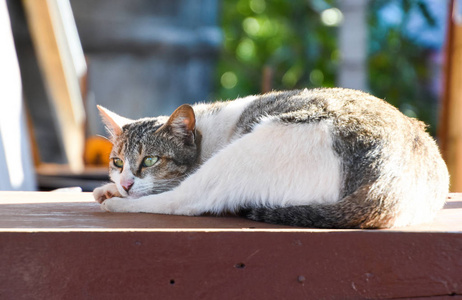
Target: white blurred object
[
  {"x": 353, "y": 45},
  {"x": 16, "y": 168},
  {"x": 74, "y": 189},
  {"x": 457, "y": 12}
]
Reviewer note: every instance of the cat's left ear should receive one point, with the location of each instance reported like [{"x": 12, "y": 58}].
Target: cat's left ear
[
  {"x": 182, "y": 123},
  {"x": 113, "y": 121}
]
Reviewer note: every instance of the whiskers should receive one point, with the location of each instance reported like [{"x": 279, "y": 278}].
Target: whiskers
[
  {"x": 164, "y": 185},
  {"x": 156, "y": 186}
]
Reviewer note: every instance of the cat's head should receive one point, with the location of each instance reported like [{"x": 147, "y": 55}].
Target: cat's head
[{"x": 151, "y": 155}]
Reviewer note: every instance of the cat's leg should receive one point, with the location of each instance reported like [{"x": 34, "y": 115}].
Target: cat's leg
[
  {"x": 105, "y": 192},
  {"x": 274, "y": 165}
]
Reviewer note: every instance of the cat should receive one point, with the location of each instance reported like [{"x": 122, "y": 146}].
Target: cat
[{"x": 326, "y": 158}]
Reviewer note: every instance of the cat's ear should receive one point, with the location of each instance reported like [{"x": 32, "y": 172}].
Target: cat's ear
[
  {"x": 113, "y": 121},
  {"x": 182, "y": 123}
]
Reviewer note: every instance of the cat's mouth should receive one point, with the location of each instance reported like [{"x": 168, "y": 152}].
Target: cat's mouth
[
  {"x": 136, "y": 194},
  {"x": 132, "y": 193},
  {"x": 157, "y": 187}
]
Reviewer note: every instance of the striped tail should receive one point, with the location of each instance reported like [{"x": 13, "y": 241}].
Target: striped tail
[{"x": 354, "y": 211}]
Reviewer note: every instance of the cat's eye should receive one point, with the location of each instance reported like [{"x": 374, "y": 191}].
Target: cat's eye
[
  {"x": 118, "y": 162},
  {"x": 150, "y": 161}
]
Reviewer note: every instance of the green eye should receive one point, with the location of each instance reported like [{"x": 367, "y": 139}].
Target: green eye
[
  {"x": 118, "y": 162},
  {"x": 149, "y": 161}
]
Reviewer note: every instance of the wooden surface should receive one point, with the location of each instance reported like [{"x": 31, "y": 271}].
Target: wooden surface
[
  {"x": 450, "y": 128},
  {"x": 43, "y": 211},
  {"x": 61, "y": 246}
]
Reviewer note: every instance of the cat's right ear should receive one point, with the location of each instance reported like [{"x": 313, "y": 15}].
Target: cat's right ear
[
  {"x": 113, "y": 121},
  {"x": 182, "y": 124}
]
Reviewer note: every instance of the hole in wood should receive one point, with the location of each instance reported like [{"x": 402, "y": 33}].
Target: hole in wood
[
  {"x": 172, "y": 281},
  {"x": 239, "y": 266}
]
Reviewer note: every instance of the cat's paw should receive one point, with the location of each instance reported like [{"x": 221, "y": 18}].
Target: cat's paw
[
  {"x": 116, "y": 204},
  {"x": 105, "y": 192},
  {"x": 158, "y": 204}
]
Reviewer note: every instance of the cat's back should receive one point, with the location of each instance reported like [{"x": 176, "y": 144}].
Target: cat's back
[{"x": 349, "y": 110}]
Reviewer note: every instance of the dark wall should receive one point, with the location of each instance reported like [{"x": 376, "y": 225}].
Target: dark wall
[{"x": 146, "y": 57}]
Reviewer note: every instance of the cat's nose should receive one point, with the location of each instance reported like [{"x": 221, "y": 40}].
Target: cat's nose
[{"x": 127, "y": 185}]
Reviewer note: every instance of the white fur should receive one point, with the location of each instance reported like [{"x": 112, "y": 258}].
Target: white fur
[
  {"x": 217, "y": 130},
  {"x": 276, "y": 164}
]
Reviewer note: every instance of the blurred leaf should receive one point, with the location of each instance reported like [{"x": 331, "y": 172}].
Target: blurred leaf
[
  {"x": 426, "y": 13},
  {"x": 290, "y": 38}
]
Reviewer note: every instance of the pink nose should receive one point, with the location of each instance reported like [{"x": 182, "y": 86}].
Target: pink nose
[{"x": 127, "y": 185}]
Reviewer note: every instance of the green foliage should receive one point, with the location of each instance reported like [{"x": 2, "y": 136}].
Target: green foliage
[
  {"x": 398, "y": 66},
  {"x": 297, "y": 40},
  {"x": 287, "y": 36}
]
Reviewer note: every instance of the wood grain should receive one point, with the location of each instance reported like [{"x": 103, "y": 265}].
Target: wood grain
[{"x": 61, "y": 246}]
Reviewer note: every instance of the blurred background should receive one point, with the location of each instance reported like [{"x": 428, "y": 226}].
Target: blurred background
[
  {"x": 392, "y": 49},
  {"x": 144, "y": 58}
]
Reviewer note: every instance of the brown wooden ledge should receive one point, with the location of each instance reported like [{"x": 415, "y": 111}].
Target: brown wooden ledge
[{"x": 61, "y": 246}]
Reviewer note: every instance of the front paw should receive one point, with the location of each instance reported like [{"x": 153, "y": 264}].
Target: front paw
[
  {"x": 116, "y": 204},
  {"x": 158, "y": 204},
  {"x": 105, "y": 192}
]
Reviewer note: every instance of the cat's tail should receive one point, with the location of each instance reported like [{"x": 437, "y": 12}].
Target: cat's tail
[{"x": 353, "y": 211}]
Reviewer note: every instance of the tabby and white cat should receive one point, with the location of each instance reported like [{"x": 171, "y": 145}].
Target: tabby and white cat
[{"x": 329, "y": 158}]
